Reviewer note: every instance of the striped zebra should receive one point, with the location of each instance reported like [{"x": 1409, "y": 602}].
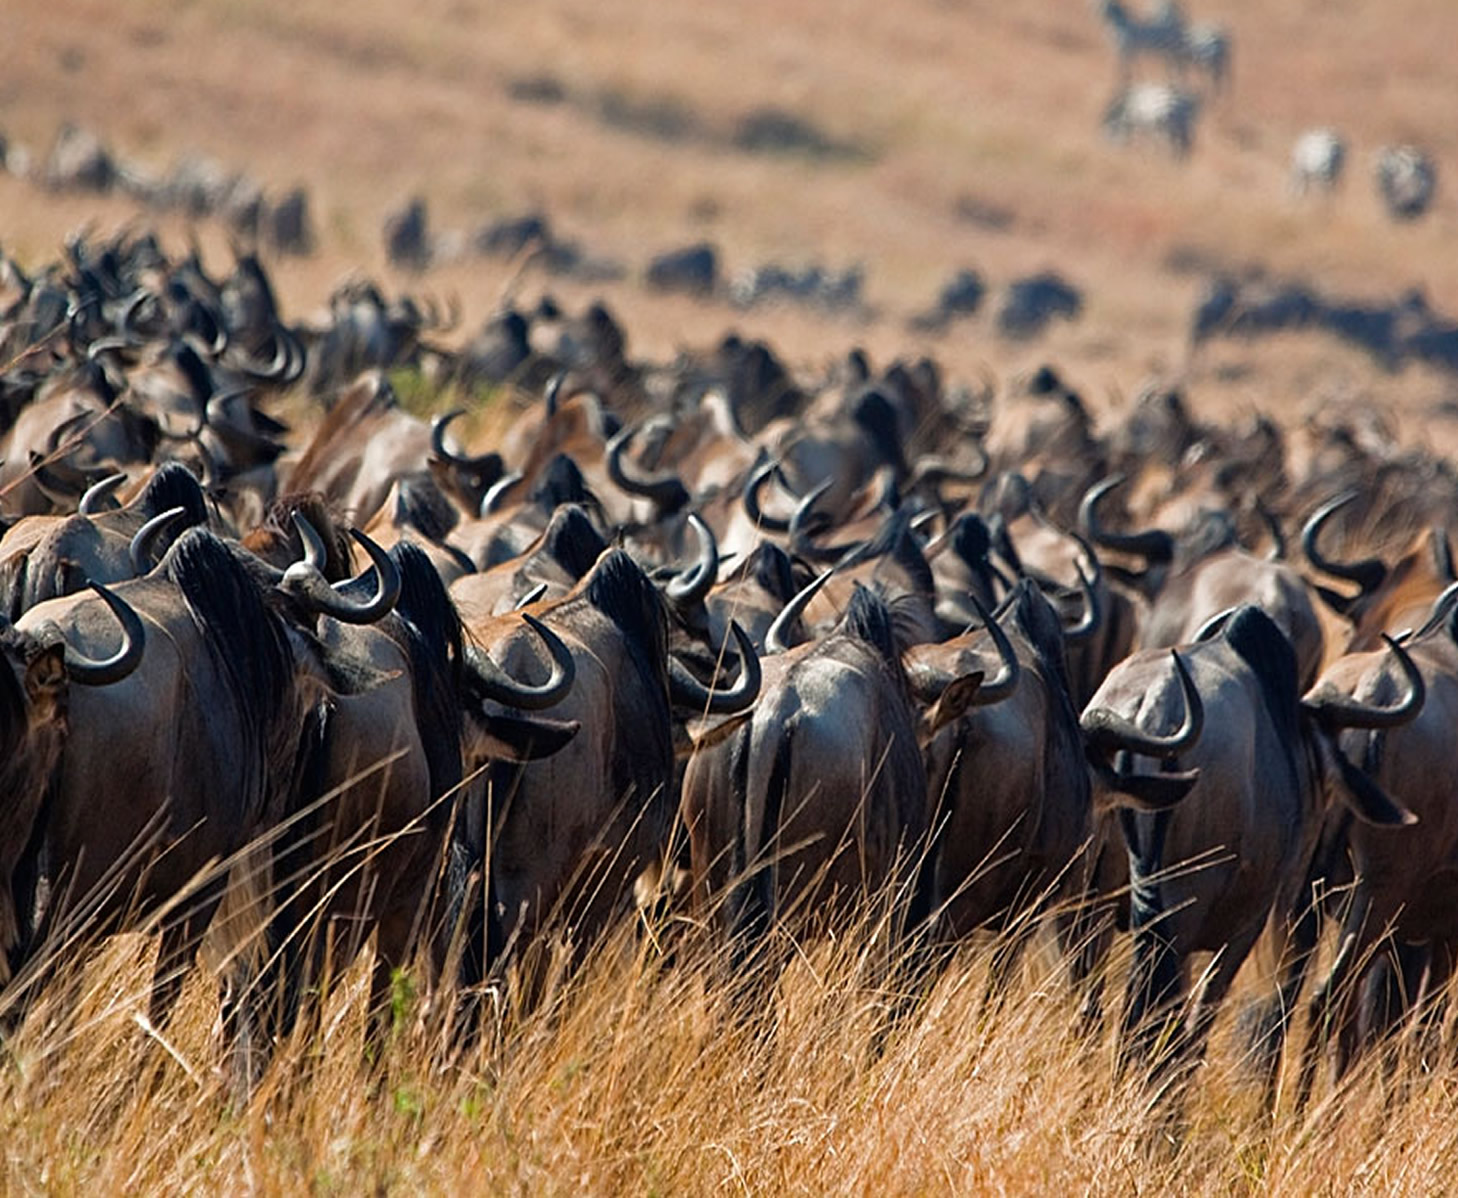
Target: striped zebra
[
  {"x": 1317, "y": 160},
  {"x": 1135, "y": 37},
  {"x": 1160, "y": 111},
  {"x": 1406, "y": 179}
]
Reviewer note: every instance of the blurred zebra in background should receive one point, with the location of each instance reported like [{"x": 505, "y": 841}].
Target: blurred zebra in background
[
  {"x": 1158, "y": 111},
  {"x": 1167, "y": 35},
  {"x": 1317, "y": 160},
  {"x": 1135, "y": 36}
]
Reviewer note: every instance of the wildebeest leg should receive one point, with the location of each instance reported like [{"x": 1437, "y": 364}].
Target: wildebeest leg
[
  {"x": 180, "y": 941},
  {"x": 391, "y": 989},
  {"x": 1334, "y": 992},
  {"x": 1270, "y": 1019},
  {"x": 1084, "y": 937},
  {"x": 1216, "y": 985},
  {"x": 1155, "y": 973}
]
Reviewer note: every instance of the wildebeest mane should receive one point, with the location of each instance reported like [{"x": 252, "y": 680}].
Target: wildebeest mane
[
  {"x": 429, "y": 630},
  {"x": 571, "y": 540},
  {"x": 561, "y": 482},
  {"x": 248, "y": 644},
  {"x": 894, "y": 541},
  {"x": 972, "y": 540},
  {"x": 869, "y": 618},
  {"x": 421, "y": 505},
  {"x": 626, "y": 596},
  {"x": 874, "y": 414},
  {"x": 173, "y": 485},
  {"x": 770, "y": 567},
  {"x": 275, "y": 540},
  {"x": 1265, "y": 648}
]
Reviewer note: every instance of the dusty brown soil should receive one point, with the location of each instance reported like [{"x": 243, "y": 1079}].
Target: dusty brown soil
[{"x": 947, "y": 107}]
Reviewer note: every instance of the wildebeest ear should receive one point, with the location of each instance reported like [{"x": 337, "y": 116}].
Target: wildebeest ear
[
  {"x": 1366, "y": 800},
  {"x": 517, "y": 738},
  {"x": 951, "y": 704},
  {"x": 45, "y": 675}
]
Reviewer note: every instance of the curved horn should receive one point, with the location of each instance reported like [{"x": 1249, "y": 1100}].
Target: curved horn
[
  {"x": 530, "y": 597},
  {"x": 496, "y": 493},
  {"x": 438, "y": 428},
  {"x": 1006, "y": 679},
  {"x": 1277, "y": 533},
  {"x": 752, "y": 489},
  {"x": 1334, "y": 710},
  {"x": 666, "y": 490},
  {"x": 1093, "y": 612},
  {"x": 774, "y": 638},
  {"x": 98, "y": 494},
  {"x": 688, "y": 692},
  {"x": 1442, "y": 609},
  {"x": 92, "y": 672},
  {"x": 1442, "y": 554},
  {"x": 800, "y": 542},
  {"x": 1108, "y": 731},
  {"x": 141, "y": 548},
  {"x": 1155, "y": 545},
  {"x": 552, "y": 397},
  {"x": 1210, "y": 629},
  {"x": 306, "y": 580},
  {"x": 692, "y": 587},
  {"x": 498, "y": 685},
  {"x": 1367, "y": 574}
]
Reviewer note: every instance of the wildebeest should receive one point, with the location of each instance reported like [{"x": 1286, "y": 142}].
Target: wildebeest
[
  {"x": 819, "y": 799},
  {"x": 189, "y": 756},
  {"x": 1207, "y": 873},
  {"x": 1009, "y": 789},
  {"x": 1405, "y": 877},
  {"x": 38, "y": 707},
  {"x": 1389, "y": 598},
  {"x": 567, "y": 836}
]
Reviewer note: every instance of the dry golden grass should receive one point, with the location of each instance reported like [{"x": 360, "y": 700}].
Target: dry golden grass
[{"x": 631, "y": 1075}]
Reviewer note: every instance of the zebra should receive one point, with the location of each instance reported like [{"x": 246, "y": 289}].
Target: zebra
[
  {"x": 1161, "y": 36},
  {"x": 1160, "y": 110},
  {"x": 1317, "y": 160},
  {"x": 1207, "y": 49},
  {"x": 1406, "y": 180}
]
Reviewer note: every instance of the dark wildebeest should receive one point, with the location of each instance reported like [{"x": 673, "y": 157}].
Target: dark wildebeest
[
  {"x": 1207, "y": 873},
  {"x": 36, "y": 720},
  {"x": 394, "y": 714},
  {"x": 174, "y": 768},
  {"x": 1010, "y": 789},
  {"x": 1188, "y": 583},
  {"x": 1389, "y": 598},
  {"x": 1406, "y": 877},
  {"x": 566, "y": 837},
  {"x": 819, "y": 799}
]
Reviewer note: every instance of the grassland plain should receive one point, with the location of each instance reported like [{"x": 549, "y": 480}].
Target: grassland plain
[{"x": 629, "y": 1077}]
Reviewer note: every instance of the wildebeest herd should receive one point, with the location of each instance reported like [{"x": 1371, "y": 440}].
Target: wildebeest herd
[{"x": 701, "y": 636}]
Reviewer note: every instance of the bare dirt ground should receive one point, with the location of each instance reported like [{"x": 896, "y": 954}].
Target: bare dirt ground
[{"x": 970, "y": 131}]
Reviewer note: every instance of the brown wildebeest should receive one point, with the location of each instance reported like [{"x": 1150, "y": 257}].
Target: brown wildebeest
[{"x": 1268, "y": 768}]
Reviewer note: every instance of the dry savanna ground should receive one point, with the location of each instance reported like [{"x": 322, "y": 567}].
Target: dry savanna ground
[{"x": 970, "y": 129}]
